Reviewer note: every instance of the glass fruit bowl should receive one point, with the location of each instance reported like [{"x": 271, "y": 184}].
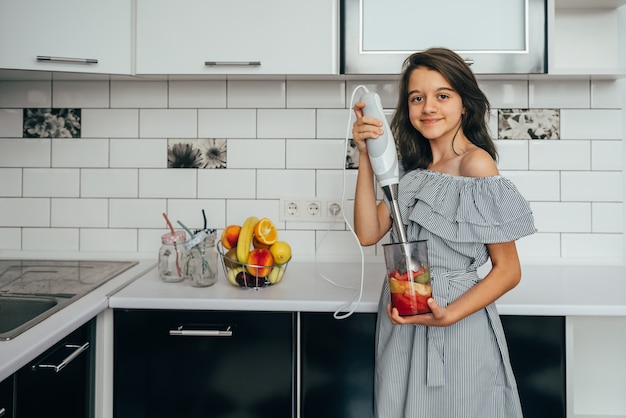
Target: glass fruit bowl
[{"x": 249, "y": 275}]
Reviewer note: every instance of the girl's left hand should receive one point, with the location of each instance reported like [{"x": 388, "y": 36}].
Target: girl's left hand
[{"x": 437, "y": 316}]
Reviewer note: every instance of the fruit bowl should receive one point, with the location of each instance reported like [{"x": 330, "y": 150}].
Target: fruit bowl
[{"x": 250, "y": 275}]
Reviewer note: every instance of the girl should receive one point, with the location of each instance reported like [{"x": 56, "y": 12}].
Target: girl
[{"x": 452, "y": 362}]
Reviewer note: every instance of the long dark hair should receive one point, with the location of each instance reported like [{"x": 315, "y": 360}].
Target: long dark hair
[{"x": 413, "y": 148}]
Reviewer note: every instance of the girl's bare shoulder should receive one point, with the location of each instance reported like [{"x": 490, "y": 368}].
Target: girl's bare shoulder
[{"x": 478, "y": 163}]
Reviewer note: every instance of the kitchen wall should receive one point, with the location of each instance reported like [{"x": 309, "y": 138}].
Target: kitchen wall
[{"x": 106, "y": 191}]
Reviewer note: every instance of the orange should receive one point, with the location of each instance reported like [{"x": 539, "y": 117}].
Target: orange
[{"x": 265, "y": 232}]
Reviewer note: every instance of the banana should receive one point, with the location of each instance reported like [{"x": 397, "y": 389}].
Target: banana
[
  {"x": 231, "y": 274},
  {"x": 245, "y": 238},
  {"x": 276, "y": 275}
]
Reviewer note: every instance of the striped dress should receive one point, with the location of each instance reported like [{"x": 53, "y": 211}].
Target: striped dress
[{"x": 460, "y": 371}]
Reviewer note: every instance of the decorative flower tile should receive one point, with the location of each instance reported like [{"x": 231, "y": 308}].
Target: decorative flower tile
[
  {"x": 51, "y": 123},
  {"x": 528, "y": 124},
  {"x": 196, "y": 153}
]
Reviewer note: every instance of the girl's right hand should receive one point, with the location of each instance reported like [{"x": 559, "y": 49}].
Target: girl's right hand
[{"x": 365, "y": 127}]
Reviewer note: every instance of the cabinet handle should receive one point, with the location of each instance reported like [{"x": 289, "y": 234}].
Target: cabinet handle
[
  {"x": 2, "y": 412},
  {"x": 468, "y": 61},
  {"x": 67, "y": 59},
  {"x": 67, "y": 360},
  {"x": 202, "y": 332},
  {"x": 232, "y": 63}
]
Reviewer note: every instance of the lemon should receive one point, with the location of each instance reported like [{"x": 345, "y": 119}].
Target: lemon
[{"x": 281, "y": 251}]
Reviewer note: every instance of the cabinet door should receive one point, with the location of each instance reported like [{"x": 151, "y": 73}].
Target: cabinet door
[
  {"x": 337, "y": 365},
  {"x": 6, "y": 398},
  {"x": 86, "y": 36},
  {"x": 60, "y": 382},
  {"x": 237, "y": 37},
  {"x": 217, "y": 364},
  {"x": 537, "y": 350}
]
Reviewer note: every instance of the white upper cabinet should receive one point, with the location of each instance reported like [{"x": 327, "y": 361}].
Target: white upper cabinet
[
  {"x": 237, "y": 37},
  {"x": 87, "y": 36}
]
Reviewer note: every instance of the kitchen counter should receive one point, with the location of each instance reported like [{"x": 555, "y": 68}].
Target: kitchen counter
[
  {"x": 22, "y": 349},
  {"x": 563, "y": 290}
]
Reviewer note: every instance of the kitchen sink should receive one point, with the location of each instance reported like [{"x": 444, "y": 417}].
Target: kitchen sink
[{"x": 18, "y": 313}]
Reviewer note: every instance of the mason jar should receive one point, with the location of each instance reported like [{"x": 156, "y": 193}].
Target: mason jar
[
  {"x": 201, "y": 259},
  {"x": 171, "y": 257}
]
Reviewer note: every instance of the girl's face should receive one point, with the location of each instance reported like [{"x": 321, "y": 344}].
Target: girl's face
[{"x": 435, "y": 108}]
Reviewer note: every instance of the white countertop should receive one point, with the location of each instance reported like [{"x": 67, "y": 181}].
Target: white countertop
[
  {"x": 566, "y": 290},
  {"x": 28, "y": 345}
]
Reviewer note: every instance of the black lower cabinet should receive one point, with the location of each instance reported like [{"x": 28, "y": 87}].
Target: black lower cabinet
[
  {"x": 60, "y": 382},
  {"x": 219, "y": 364},
  {"x": 6, "y": 398},
  {"x": 537, "y": 350},
  {"x": 337, "y": 370},
  {"x": 337, "y": 365}
]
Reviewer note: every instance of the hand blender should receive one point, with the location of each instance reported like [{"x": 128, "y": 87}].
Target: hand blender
[{"x": 384, "y": 159}]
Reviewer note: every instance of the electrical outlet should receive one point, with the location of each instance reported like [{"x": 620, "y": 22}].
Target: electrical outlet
[{"x": 310, "y": 209}]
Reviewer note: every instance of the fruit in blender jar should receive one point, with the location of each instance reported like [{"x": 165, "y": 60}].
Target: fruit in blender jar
[
  {"x": 260, "y": 261},
  {"x": 230, "y": 236}
]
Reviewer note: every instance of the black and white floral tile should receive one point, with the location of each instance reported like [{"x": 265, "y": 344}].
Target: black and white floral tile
[
  {"x": 51, "y": 123},
  {"x": 196, "y": 153},
  {"x": 512, "y": 124}
]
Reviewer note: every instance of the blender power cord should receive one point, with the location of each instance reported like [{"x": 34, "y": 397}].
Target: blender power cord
[{"x": 351, "y": 306}]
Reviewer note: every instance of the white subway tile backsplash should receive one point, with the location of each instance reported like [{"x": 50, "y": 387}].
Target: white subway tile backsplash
[
  {"x": 607, "y": 155},
  {"x": 78, "y": 152},
  {"x": 606, "y": 94},
  {"x": 189, "y": 212},
  {"x": 591, "y": 124},
  {"x": 24, "y": 212},
  {"x": 10, "y": 239},
  {"x": 139, "y": 94},
  {"x": 24, "y": 152},
  {"x": 197, "y": 94},
  {"x": 536, "y": 185},
  {"x": 51, "y": 182},
  {"x": 136, "y": 213},
  {"x": 334, "y": 123},
  {"x": 107, "y": 190},
  {"x": 558, "y": 94},
  {"x": 138, "y": 153},
  {"x": 257, "y": 153},
  {"x": 114, "y": 182},
  {"x": 11, "y": 123},
  {"x": 110, "y": 123},
  {"x": 598, "y": 186},
  {"x": 506, "y": 93},
  {"x": 227, "y": 123},
  {"x": 286, "y": 123},
  {"x": 539, "y": 245},
  {"x": 274, "y": 184},
  {"x": 560, "y": 155},
  {"x": 607, "y": 217},
  {"x": 318, "y": 94},
  {"x": 227, "y": 184},
  {"x": 168, "y": 123},
  {"x": 25, "y": 94},
  {"x": 512, "y": 154},
  {"x": 316, "y": 153},
  {"x": 168, "y": 183},
  {"x": 251, "y": 94},
  {"x": 108, "y": 239},
  {"x": 79, "y": 213},
  {"x": 50, "y": 239},
  {"x": 10, "y": 182},
  {"x": 80, "y": 94},
  {"x": 562, "y": 216},
  {"x": 592, "y": 246}
]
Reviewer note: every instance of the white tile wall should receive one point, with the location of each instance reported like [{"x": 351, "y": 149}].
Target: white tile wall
[{"x": 107, "y": 190}]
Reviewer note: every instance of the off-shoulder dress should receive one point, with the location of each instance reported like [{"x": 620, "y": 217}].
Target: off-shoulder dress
[{"x": 460, "y": 371}]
